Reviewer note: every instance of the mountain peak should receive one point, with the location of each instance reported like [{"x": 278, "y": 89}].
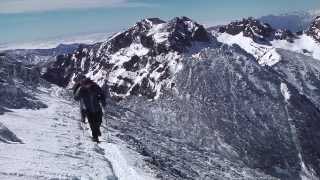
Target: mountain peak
[
  {"x": 248, "y": 26},
  {"x": 138, "y": 61},
  {"x": 260, "y": 32},
  {"x": 148, "y": 23},
  {"x": 160, "y": 36}
]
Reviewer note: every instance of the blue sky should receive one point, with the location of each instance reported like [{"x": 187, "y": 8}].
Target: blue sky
[{"x": 30, "y": 20}]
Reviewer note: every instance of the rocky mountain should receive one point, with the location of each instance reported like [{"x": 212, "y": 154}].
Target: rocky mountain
[
  {"x": 240, "y": 102},
  {"x": 20, "y": 75},
  {"x": 16, "y": 85},
  {"x": 258, "y": 31},
  {"x": 226, "y": 116},
  {"x": 139, "y": 61},
  {"x": 261, "y": 40}
]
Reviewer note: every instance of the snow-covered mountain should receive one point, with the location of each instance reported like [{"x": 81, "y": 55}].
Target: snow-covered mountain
[
  {"x": 240, "y": 101},
  {"x": 262, "y": 41},
  {"x": 139, "y": 61}
]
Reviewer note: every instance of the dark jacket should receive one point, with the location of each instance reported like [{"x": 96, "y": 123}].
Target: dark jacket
[{"x": 90, "y": 95}]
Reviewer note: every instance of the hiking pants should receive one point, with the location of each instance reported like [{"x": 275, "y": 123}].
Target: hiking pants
[{"x": 95, "y": 120}]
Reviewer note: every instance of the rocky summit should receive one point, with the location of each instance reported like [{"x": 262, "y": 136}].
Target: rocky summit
[
  {"x": 260, "y": 32},
  {"x": 138, "y": 61}
]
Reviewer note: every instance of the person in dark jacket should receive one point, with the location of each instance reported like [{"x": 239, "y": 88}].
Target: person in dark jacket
[{"x": 91, "y": 96}]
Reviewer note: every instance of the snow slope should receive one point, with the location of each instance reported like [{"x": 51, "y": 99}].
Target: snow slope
[
  {"x": 267, "y": 54},
  {"x": 304, "y": 45},
  {"x": 55, "y": 147}
]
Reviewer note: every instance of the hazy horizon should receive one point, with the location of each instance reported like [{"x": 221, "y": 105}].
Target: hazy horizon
[{"x": 31, "y": 21}]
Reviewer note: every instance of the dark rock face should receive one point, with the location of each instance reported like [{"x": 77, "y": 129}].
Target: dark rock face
[
  {"x": 14, "y": 78},
  {"x": 60, "y": 71},
  {"x": 20, "y": 72},
  {"x": 250, "y": 28},
  {"x": 8, "y": 136},
  {"x": 183, "y": 32},
  {"x": 314, "y": 29},
  {"x": 225, "y": 113},
  {"x": 302, "y": 72}
]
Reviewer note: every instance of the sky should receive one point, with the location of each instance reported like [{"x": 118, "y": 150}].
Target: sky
[{"x": 38, "y": 20}]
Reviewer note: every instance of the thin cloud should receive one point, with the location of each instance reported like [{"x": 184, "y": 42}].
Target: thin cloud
[
  {"x": 21, "y": 6},
  {"x": 315, "y": 12}
]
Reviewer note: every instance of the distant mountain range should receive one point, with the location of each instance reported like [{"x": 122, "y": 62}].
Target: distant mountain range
[{"x": 294, "y": 22}]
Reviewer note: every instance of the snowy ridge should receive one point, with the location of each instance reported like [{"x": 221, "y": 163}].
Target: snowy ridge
[
  {"x": 263, "y": 46},
  {"x": 120, "y": 162},
  {"x": 304, "y": 44},
  {"x": 139, "y": 61},
  {"x": 125, "y": 164},
  {"x": 55, "y": 147},
  {"x": 265, "y": 55}
]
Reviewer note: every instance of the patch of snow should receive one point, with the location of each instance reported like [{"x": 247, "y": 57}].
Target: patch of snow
[
  {"x": 161, "y": 37},
  {"x": 191, "y": 26},
  {"x": 265, "y": 55},
  {"x": 256, "y": 34},
  {"x": 174, "y": 64},
  {"x": 196, "y": 55},
  {"x": 304, "y": 45},
  {"x": 135, "y": 49},
  {"x": 270, "y": 58},
  {"x": 159, "y": 33},
  {"x": 285, "y": 91},
  {"x": 125, "y": 54},
  {"x": 149, "y": 22},
  {"x": 99, "y": 77},
  {"x": 124, "y": 162},
  {"x": 306, "y": 173}
]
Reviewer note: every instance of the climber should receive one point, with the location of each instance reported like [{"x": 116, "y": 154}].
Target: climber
[{"x": 91, "y": 96}]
